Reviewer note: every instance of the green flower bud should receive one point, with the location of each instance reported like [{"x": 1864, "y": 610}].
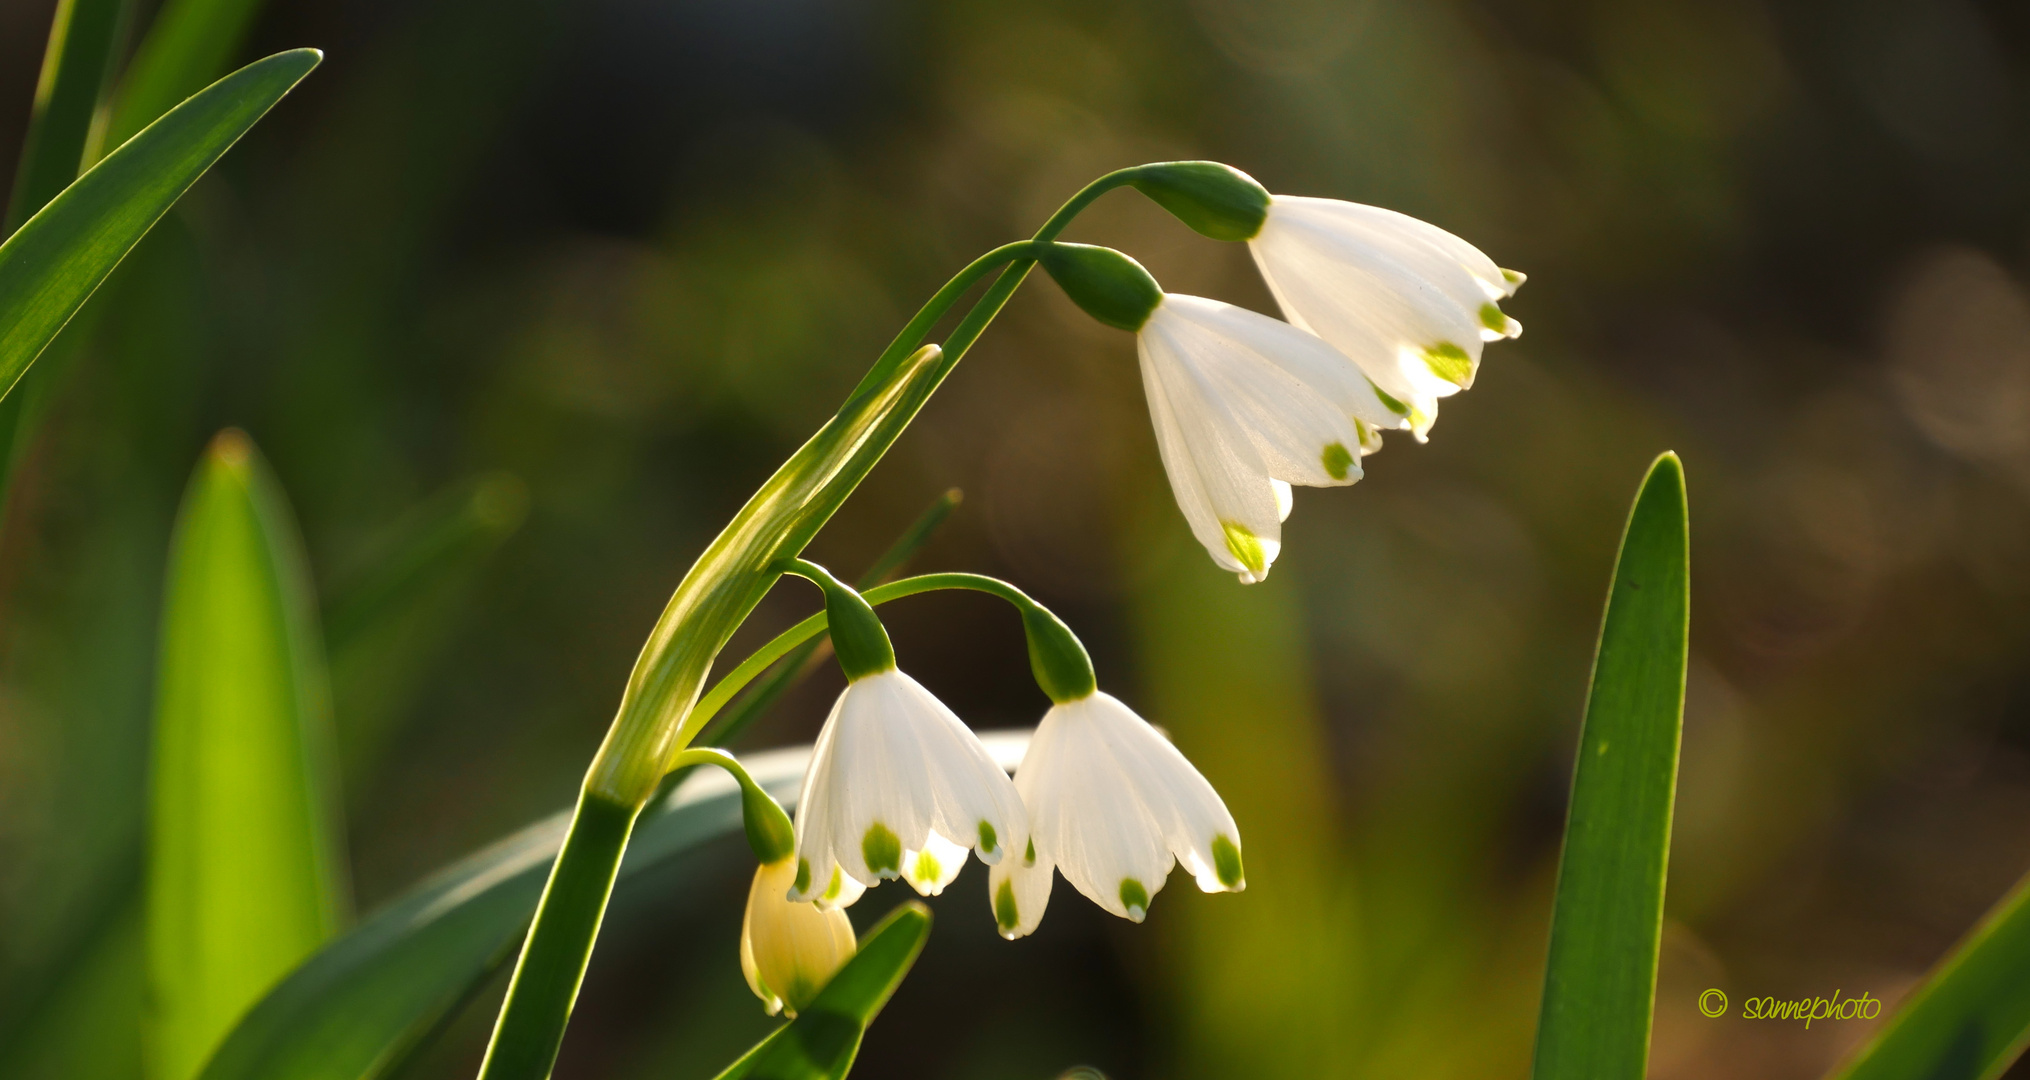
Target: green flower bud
[
  {"x": 1056, "y": 657},
  {"x": 1217, "y": 200},
  {"x": 858, "y": 638},
  {"x": 1110, "y": 286}
]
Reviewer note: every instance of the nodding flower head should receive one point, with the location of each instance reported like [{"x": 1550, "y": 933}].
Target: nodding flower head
[
  {"x": 898, "y": 786},
  {"x": 1409, "y": 302},
  {"x": 1244, "y": 407},
  {"x": 1113, "y": 806}
]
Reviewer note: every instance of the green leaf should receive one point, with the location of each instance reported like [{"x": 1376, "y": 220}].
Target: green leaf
[
  {"x": 83, "y": 36},
  {"x": 1600, "y": 981},
  {"x": 1971, "y": 1017},
  {"x": 356, "y": 1007},
  {"x": 245, "y": 874},
  {"x": 188, "y": 45},
  {"x": 52, "y": 264},
  {"x": 822, "y": 1041}
]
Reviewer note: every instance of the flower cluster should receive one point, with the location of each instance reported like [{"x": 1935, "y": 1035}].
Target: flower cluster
[{"x": 1386, "y": 315}]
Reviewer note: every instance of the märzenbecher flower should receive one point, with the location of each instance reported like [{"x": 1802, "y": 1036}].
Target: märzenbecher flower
[
  {"x": 897, "y": 785},
  {"x": 1112, "y": 806},
  {"x": 1409, "y": 302},
  {"x": 1244, "y": 405}
]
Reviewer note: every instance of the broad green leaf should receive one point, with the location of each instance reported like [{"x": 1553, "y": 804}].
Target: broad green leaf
[
  {"x": 822, "y": 1041},
  {"x": 188, "y": 44},
  {"x": 84, "y": 35},
  {"x": 1968, "y": 1020},
  {"x": 1600, "y": 980},
  {"x": 244, "y": 864},
  {"x": 53, "y": 263},
  {"x": 359, "y": 1007}
]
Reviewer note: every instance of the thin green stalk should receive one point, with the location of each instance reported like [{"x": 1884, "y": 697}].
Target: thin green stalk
[
  {"x": 796, "y": 636},
  {"x": 657, "y": 719},
  {"x": 552, "y": 964},
  {"x": 800, "y": 662}
]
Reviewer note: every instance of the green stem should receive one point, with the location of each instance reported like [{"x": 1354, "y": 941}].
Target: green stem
[
  {"x": 552, "y": 964},
  {"x": 658, "y": 716},
  {"x": 789, "y": 640}
]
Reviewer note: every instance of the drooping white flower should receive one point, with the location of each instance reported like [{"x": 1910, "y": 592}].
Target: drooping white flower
[
  {"x": 1113, "y": 806},
  {"x": 789, "y": 950},
  {"x": 1244, "y": 406},
  {"x": 1409, "y": 302},
  {"x": 898, "y": 786}
]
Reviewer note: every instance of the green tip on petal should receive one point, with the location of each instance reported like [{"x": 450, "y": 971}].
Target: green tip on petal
[
  {"x": 1029, "y": 857},
  {"x": 835, "y": 886},
  {"x": 989, "y": 842},
  {"x": 1336, "y": 460},
  {"x": 1245, "y": 546},
  {"x": 1450, "y": 363},
  {"x": 1006, "y": 915},
  {"x": 1492, "y": 318},
  {"x": 1513, "y": 278},
  {"x": 1389, "y": 403},
  {"x": 1135, "y": 898},
  {"x": 882, "y": 850},
  {"x": 1226, "y": 862},
  {"x": 927, "y": 868},
  {"x": 803, "y": 876}
]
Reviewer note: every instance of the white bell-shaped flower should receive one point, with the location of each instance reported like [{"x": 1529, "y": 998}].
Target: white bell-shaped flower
[
  {"x": 1409, "y": 302},
  {"x": 788, "y": 950},
  {"x": 1112, "y": 806},
  {"x": 898, "y": 786},
  {"x": 1245, "y": 406}
]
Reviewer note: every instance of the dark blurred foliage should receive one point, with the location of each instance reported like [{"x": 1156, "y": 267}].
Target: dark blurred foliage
[{"x": 632, "y": 251}]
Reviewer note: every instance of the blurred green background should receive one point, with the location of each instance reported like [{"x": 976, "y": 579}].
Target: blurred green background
[{"x": 605, "y": 264}]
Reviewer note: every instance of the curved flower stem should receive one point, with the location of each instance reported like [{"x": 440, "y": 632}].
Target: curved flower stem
[
  {"x": 786, "y": 642},
  {"x": 658, "y": 717}
]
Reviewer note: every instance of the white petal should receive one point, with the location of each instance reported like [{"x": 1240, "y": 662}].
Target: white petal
[
  {"x": 1409, "y": 302},
  {"x": 1018, "y": 891},
  {"x": 933, "y": 867},
  {"x": 1196, "y": 825},
  {"x": 1220, "y": 482},
  {"x": 1302, "y": 356},
  {"x": 894, "y": 768},
  {"x": 1090, "y": 817}
]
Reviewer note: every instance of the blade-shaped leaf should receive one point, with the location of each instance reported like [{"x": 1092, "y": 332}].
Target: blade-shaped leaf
[
  {"x": 1970, "y": 1019},
  {"x": 821, "y": 1043},
  {"x": 53, "y": 263},
  {"x": 358, "y": 1007},
  {"x": 188, "y": 44},
  {"x": 83, "y": 36},
  {"x": 1600, "y": 980},
  {"x": 244, "y": 862}
]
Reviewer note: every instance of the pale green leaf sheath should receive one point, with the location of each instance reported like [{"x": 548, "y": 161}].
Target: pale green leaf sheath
[
  {"x": 244, "y": 877},
  {"x": 1600, "y": 979},
  {"x": 55, "y": 261}
]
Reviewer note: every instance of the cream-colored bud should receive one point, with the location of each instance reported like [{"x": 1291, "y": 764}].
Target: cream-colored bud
[{"x": 789, "y": 951}]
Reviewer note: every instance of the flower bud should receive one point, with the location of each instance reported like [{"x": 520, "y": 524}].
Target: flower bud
[
  {"x": 1217, "y": 200},
  {"x": 1110, "y": 286},
  {"x": 788, "y": 950}
]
